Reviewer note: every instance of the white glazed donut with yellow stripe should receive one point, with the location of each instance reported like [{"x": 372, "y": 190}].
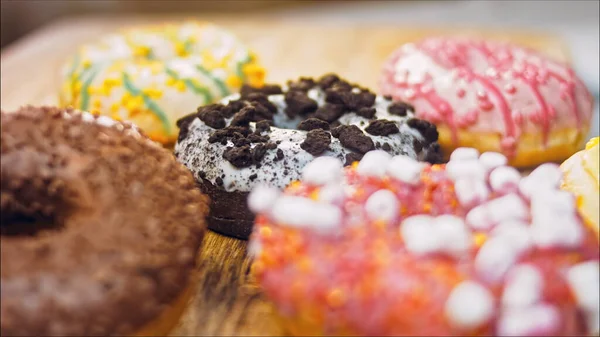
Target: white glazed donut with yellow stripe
[{"x": 154, "y": 75}]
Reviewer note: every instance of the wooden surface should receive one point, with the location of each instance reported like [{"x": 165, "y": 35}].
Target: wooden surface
[{"x": 227, "y": 302}]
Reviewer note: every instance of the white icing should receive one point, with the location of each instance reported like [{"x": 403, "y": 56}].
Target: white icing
[
  {"x": 262, "y": 198},
  {"x": 504, "y": 179},
  {"x": 524, "y": 286},
  {"x": 323, "y": 170},
  {"x": 405, "y": 169},
  {"x": 374, "y": 163},
  {"x": 537, "y": 320},
  {"x": 382, "y": 205},
  {"x": 198, "y": 155},
  {"x": 304, "y": 213},
  {"x": 470, "y": 305},
  {"x": 464, "y": 153}
]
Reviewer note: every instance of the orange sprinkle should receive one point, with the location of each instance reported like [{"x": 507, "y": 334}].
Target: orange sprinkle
[
  {"x": 265, "y": 231},
  {"x": 336, "y": 298},
  {"x": 479, "y": 239}
]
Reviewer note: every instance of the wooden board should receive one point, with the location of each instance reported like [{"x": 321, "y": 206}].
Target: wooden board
[{"x": 227, "y": 302}]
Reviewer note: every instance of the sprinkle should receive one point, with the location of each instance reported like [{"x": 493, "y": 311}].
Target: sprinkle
[
  {"x": 583, "y": 280},
  {"x": 323, "y": 170},
  {"x": 470, "y": 192},
  {"x": 464, "y": 153},
  {"x": 554, "y": 220},
  {"x": 454, "y": 234},
  {"x": 493, "y": 212},
  {"x": 382, "y": 205},
  {"x": 419, "y": 235},
  {"x": 262, "y": 198},
  {"x": 469, "y": 306},
  {"x": 504, "y": 179},
  {"x": 495, "y": 257},
  {"x": 546, "y": 176},
  {"x": 467, "y": 168},
  {"x": 305, "y": 213},
  {"x": 374, "y": 163},
  {"x": 405, "y": 169},
  {"x": 516, "y": 232},
  {"x": 524, "y": 286},
  {"x": 491, "y": 160},
  {"x": 331, "y": 194},
  {"x": 538, "y": 320}
]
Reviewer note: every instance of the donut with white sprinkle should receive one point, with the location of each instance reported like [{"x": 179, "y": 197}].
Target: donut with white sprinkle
[
  {"x": 392, "y": 246},
  {"x": 492, "y": 96},
  {"x": 267, "y": 135}
]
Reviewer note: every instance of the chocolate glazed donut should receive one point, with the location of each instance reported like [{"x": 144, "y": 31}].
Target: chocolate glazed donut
[
  {"x": 265, "y": 136},
  {"x": 100, "y": 227}
]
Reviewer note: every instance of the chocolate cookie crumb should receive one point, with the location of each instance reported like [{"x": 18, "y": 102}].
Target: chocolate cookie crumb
[
  {"x": 353, "y": 138},
  {"x": 303, "y": 84},
  {"x": 352, "y": 157},
  {"x": 382, "y": 127},
  {"x": 253, "y": 177},
  {"x": 312, "y": 124},
  {"x": 244, "y": 116},
  {"x": 386, "y": 147},
  {"x": 279, "y": 154},
  {"x": 219, "y": 181},
  {"x": 298, "y": 103},
  {"x": 183, "y": 124},
  {"x": 400, "y": 108},
  {"x": 428, "y": 130},
  {"x": 232, "y": 108},
  {"x": 328, "y": 80},
  {"x": 258, "y": 152},
  {"x": 238, "y": 156},
  {"x": 267, "y": 89},
  {"x": 387, "y": 97},
  {"x": 263, "y": 126},
  {"x": 211, "y": 116},
  {"x": 329, "y": 112},
  {"x": 434, "y": 155},
  {"x": 365, "y": 112},
  {"x": 316, "y": 142}
]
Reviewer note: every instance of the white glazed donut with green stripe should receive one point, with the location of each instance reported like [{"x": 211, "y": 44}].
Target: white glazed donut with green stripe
[{"x": 154, "y": 75}]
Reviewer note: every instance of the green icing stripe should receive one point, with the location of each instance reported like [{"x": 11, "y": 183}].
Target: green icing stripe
[
  {"x": 240, "y": 67},
  {"x": 208, "y": 97},
  {"x": 152, "y": 106},
  {"x": 85, "y": 88},
  {"x": 220, "y": 84}
]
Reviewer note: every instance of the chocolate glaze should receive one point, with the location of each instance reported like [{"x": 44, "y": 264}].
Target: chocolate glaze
[{"x": 114, "y": 225}]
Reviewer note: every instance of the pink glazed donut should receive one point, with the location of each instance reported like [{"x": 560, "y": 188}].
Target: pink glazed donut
[{"x": 492, "y": 96}]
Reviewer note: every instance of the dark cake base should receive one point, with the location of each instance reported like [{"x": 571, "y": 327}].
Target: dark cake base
[{"x": 229, "y": 214}]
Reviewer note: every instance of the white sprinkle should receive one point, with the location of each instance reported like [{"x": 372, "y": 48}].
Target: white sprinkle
[
  {"x": 262, "y": 198},
  {"x": 374, "y": 163},
  {"x": 382, "y": 205},
  {"x": 555, "y": 201},
  {"x": 493, "y": 212},
  {"x": 470, "y": 305},
  {"x": 584, "y": 281},
  {"x": 305, "y": 213},
  {"x": 470, "y": 192},
  {"x": 464, "y": 153},
  {"x": 504, "y": 179},
  {"x": 495, "y": 257},
  {"x": 516, "y": 232},
  {"x": 323, "y": 170},
  {"x": 331, "y": 193},
  {"x": 538, "y": 320},
  {"x": 491, "y": 160},
  {"x": 469, "y": 168},
  {"x": 546, "y": 176},
  {"x": 550, "y": 230},
  {"x": 405, "y": 169},
  {"x": 105, "y": 121},
  {"x": 419, "y": 235},
  {"x": 454, "y": 234},
  {"x": 524, "y": 286}
]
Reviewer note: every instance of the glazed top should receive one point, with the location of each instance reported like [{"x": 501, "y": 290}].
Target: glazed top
[
  {"x": 100, "y": 226},
  {"x": 391, "y": 246},
  {"x": 153, "y": 75},
  {"x": 309, "y": 118},
  {"x": 486, "y": 86}
]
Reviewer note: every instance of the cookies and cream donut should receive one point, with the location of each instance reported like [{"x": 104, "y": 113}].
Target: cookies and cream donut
[
  {"x": 267, "y": 135},
  {"x": 154, "y": 75},
  {"x": 100, "y": 227},
  {"x": 392, "y": 246},
  {"x": 581, "y": 177},
  {"x": 492, "y": 96}
]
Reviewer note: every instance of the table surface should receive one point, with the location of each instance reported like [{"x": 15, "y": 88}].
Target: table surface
[{"x": 227, "y": 302}]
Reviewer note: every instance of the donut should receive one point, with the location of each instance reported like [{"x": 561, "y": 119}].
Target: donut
[
  {"x": 100, "y": 227},
  {"x": 154, "y": 75},
  {"x": 392, "y": 246},
  {"x": 492, "y": 96},
  {"x": 581, "y": 178},
  {"x": 266, "y": 135}
]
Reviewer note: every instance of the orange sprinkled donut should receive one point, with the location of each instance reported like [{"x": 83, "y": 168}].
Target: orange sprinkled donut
[{"x": 392, "y": 246}]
